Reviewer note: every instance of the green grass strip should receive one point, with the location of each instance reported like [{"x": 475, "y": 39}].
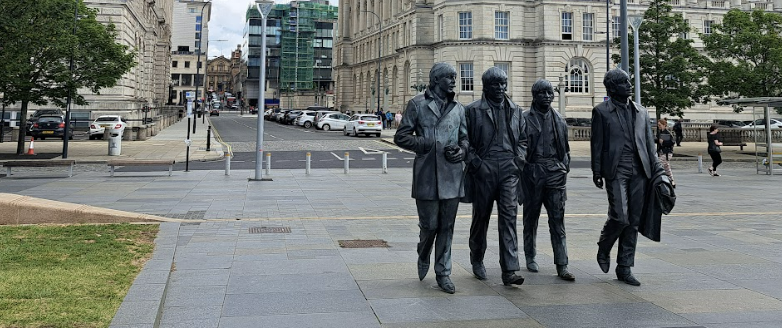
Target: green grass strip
[{"x": 69, "y": 276}]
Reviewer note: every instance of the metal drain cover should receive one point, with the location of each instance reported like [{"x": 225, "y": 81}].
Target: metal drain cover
[
  {"x": 270, "y": 230},
  {"x": 363, "y": 243}
]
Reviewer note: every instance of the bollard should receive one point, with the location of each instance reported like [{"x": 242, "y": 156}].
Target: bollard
[
  {"x": 227, "y": 163},
  {"x": 307, "y": 167},
  {"x": 347, "y": 162},
  {"x": 268, "y": 163},
  {"x": 700, "y": 163},
  {"x": 385, "y": 162},
  {"x": 208, "y": 138}
]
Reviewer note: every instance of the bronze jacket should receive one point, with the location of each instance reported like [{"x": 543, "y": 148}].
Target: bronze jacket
[{"x": 434, "y": 177}]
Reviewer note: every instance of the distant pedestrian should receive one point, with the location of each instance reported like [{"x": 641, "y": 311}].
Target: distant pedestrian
[
  {"x": 677, "y": 129},
  {"x": 382, "y": 117},
  {"x": 665, "y": 148},
  {"x": 389, "y": 118},
  {"x": 398, "y": 118},
  {"x": 714, "y": 149}
]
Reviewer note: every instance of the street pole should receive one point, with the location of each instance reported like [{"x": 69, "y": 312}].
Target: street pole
[
  {"x": 198, "y": 67},
  {"x": 2, "y": 123},
  {"x": 625, "y": 51},
  {"x": 636, "y": 24},
  {"x": 608, "y": 35},
  {"x": 561, "y": 88},
  {"x": 379, "y": 47},
  {"x": 70, "y": 87},
  {"x": 264, "y": 7}
]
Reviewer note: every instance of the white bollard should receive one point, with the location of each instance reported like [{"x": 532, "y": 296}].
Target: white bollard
[
  {"x": 347, "y": 162},
  {"x": 385, "y": 162},
  {"x": 268, "y": 163},
  {"x": 307, "y": 167},
  {"x": 227, "y": 164},
  {"x": 700, "y": 163}
]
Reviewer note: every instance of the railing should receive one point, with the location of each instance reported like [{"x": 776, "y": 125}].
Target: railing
[{"x": 691, "y": 134}]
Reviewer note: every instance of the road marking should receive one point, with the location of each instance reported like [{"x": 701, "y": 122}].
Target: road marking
[
  {"x": 368, "y": 159},
  {"x": 391, "y": 158},
  {"x": 369, "y": 151},
  {"x": 408, "y": 158},
  {"x": 335, "y": 155}
]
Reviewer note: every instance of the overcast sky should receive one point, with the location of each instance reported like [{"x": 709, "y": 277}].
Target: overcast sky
[{"x": 227, "y": 23}]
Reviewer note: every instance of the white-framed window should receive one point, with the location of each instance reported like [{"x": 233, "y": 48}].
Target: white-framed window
[
  {"x": 567, "y": 25},
  {"x": 721, "y": 4},
  {"x": 707, "y": 27},
  {"x": 466, "y": 77},
  {"x": 577, "y": 78},
  {"x": 615, "y": 26},
  {"x": 505, "y": 67},
  {"x": 589, "y": 26},
  {"x": 465, "y": 25},
  {"x": 676, "y": 2},
  {"x": 440, "y": 28},
  {"x": 685, "y": 35},
  {"x": 501, "y": 25}
]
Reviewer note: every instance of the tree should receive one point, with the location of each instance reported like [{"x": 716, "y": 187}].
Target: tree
[
  {"x": 671, "y": 69},
  {"x": 746, "y": 50},
  {"x": 38, "y": 43}
]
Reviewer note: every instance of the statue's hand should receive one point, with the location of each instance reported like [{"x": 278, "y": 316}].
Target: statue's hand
[
  {"x": 598, "y": 180},
  {"x": 454, "y": 154}
]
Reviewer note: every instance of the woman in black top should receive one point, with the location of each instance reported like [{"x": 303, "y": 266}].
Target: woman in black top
[
  {"x": 714, "y": 149},
  {"x": 665, "y": 147}
]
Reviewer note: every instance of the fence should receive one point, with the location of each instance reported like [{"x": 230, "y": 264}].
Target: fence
[{"x": 691, "y": 134}]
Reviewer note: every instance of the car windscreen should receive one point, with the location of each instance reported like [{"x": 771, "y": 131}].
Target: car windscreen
[
  {"x": 106, "y": 119},
  {"x": 49, "y": 119}
]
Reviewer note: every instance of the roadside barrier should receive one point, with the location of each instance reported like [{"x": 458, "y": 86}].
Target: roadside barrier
[
  {"x": 700, "y": 163},
  {"x": 268, "y": 163},
  {"x": 31, "y": 149},
  {"x": 307, "y": 165},
  {"x": 347, "y": 162}
]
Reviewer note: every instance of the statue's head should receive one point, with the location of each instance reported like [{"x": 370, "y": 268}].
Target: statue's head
[
  {"x": 442, "y": 77},
  {"x": 542, "y": 94},
  {"x": 495, "y": 84},
  {"x": 617, "y": 83}
]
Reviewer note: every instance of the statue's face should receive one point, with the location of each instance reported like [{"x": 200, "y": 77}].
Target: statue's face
[
  {"x": 543, "y": 98},
  {"x": 623, "y": 88},
  {"x": 495, "y": 90},
  {"x": 446, "y": 82}
]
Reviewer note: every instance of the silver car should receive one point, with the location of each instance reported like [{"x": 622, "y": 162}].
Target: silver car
[{"x": 363, "y": 124}]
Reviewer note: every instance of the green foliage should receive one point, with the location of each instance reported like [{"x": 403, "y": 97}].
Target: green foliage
[
  {"x": 672, "y": 78},
  {"x": 746, "y": 50}
]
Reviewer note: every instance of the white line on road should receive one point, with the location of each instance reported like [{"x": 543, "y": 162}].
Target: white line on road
[{"x": 369, "y": 151}]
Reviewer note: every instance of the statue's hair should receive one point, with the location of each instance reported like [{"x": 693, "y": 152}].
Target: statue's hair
[
  {"x": 493, "y": 74},
  {"x": 614, "y": 78},
  {"x": 541, "y": 85},
  {"x": 439, "y": 70}
]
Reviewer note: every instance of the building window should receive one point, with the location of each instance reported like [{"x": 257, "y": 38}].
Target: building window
[
  {"x": 198, "y": 36},
  {"x": 501, "y": 25},
  {"x": 505, "y": 67},
  {"x": 567, "y": 26},
  {"x": 187, "y": 64},
  {"x": 191, "y": 10},
  {"x": 198, "y": 19},
  {"x": 440, "y": 28},
  {"x": 615, "y": 26},
  {"x": 685, "y": 35},
  {"x": 198, "y": 27},
  {"x": 676, "y": 3},
  {"x": 707, "y": 27},
  {"x": 721, "y": 4},
  {"x": 466, "y": 76},
  {"x": 577, "y": 78},
  {"x": 465, "y": 25},
  {"x": 589, "y": 26},
  {"x": 198, "y": 45},
  {"x": 174, "y": 63}
]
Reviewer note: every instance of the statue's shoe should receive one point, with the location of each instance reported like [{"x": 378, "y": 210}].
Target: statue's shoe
[
  {"x": 532, "y": 266},
  {"x": 564, "y": 274},
  {"x": 604, "y": 261},
  {"x": 423, "y": 268},
  {"x": 479, "y": 270},
  {"x": 445, "y": 284},
  {"x": 511, "y": 278}
]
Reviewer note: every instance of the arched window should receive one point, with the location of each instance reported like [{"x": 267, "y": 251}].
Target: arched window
[{"x": 577, "y": 78}]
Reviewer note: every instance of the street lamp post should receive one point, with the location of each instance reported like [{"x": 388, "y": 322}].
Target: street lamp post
[
  {"x": 379, "y": 47},
  {"x": 198, "y": 66},
  {"x": 635, "y": 22},
  {"x": 70, "y": 88},
  {"x": 264, "y": 7},
  {"x": 608, "y": 35},
  {"x": 625, "y": 51}
]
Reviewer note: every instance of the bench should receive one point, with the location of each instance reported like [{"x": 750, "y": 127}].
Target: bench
[
  {"x": 39, "y": 163},
  {"x": 140, "y": 162},
  {"x": 732, "y": 138}
]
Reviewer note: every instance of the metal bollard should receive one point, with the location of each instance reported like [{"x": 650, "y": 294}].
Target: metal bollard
[
  {"x": 385, "y": 162},
  {"x": 208, "y": 138},
  {"x": 268, "y": 163},
  {"x": 347, "y": 162},
  {"x": 227, "y": 163},
  {"x": 307, "y": 167},
  {"x": 700, "y": 163}
]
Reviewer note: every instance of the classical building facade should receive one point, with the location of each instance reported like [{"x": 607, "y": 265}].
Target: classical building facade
[
  {"x": 218, "y": 75},
  {"x": 528, "y": 39},
  {"x": 190, "y": 33}
]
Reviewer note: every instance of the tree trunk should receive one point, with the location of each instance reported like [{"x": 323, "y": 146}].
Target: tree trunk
[{"x": 22, "y": 128}]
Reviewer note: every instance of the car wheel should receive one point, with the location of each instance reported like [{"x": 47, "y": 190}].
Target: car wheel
[
  {"x": 91, "y": 137},
  {"x": 378, "y": 135},
  {"x": 355, "y": 133},
  {"x": 42, "y": 138},
  {"x": 345, "y": 131},
  {"x": 70, "y": 137},
  {"x": 307, "y": 125},
  {"x": 326, "y": 127}
]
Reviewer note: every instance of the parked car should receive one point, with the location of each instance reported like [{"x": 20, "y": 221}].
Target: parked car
[
  {"x": 291, "y": 116},
  {"x": 306, "y": 118},
  {"x": 280, "y": 116},
  {"x": 333, "y": 121},
  {"x": 572, "y": 121},
  {"x": 776, "y": 123},
  {"x": 41, "y": 112},
  {"x": 363, "y": 124},
  {"x": 215, "y": 110},
  {"x": 50, "y": 127},
  {"x": 730, "y": 123},
  {"x": 321, "y": 113},
  {"x": 253, "y": 110},
  {"x": 271, "y": 114},
  {"x": 115, "y": 123}
]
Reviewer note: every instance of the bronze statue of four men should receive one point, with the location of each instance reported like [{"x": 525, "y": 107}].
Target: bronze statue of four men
[{"x": 492, "y": 150}]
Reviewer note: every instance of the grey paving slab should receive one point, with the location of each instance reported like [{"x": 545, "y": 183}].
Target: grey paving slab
[
  {"x": 136, "y": 312},
  {"x": 748, "y": 318},
  {"x": 185, "y": 314},
  {"x": 496, "y": 323},
  {"x": 606, "y": 315},
  {"x": 200, "y": 277},
  {"x": 325, "y": 320},
  {"x": 260, "y": 304},
  {"x": 431, "y": 309},
  {"x": 567, "y": 294},
  {"x": 695, "y": 301},
  {"x": 198, "y": 323},
  {"x": 195, "y": 296},
  {"x": 303, "y": 282},
  {"x": 312, "y": 266}
]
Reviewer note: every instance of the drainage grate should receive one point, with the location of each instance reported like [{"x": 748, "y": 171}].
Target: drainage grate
[
  {"x": 270, "y": 230},
  {"x": 363, "y": 243}
]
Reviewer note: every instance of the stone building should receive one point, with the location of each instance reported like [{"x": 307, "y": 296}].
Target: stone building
[
  {"x": 528, "y": 39},
  {"x": 218, "y": 75},
  {"x": 190, "y": 33}
]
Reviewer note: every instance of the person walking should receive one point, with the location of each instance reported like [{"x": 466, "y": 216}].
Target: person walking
[
  {"x": 389, "y": 118},
  {"x": 398, "y": 118},
  {"x": 665, "y": 148},
  {"x": 435, "y": 128},
  {"x": 677, "y": 129},
  {"x": 714, "y": 149}
]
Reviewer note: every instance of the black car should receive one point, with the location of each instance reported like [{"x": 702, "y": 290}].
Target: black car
[
  {"x": 41, "y": 112},
  {"x": 50, "y": 127},
  {"x": 291, "y": 116}
]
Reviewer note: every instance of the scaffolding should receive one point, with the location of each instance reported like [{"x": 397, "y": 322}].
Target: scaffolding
[{"x": 298, "y": 34}]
